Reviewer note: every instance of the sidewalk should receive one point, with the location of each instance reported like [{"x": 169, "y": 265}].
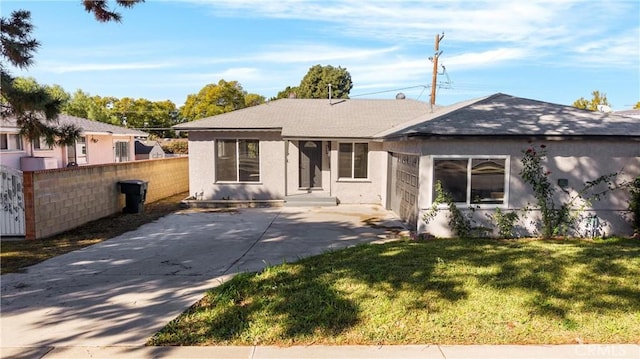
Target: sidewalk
[{"x": 623, "y": 351}]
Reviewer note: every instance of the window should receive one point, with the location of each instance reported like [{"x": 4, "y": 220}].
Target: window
[
  {"x": 122, "y": 151},
  {"x": 353, "y": 160},
  {"x": 10, "y": 142},
  {"x": 77, "y": 152},
  {"x": 472, "y": 180},
  {"x": 81, "y": 149},
  {"x": 41, "y": 144},
  {"x": 238, "y": 161}
]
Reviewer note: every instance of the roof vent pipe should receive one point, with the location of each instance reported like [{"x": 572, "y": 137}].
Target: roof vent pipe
[{"x": 330, "y": 95}]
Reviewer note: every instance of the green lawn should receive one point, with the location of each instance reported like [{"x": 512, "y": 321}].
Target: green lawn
[{"x": 437, "y": 291}]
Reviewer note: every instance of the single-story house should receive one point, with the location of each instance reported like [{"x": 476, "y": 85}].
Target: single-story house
[
  {"x": 148, "y": 150},
  {"x": 392, "y": 152},
  {"x": 99, "y": 143}
]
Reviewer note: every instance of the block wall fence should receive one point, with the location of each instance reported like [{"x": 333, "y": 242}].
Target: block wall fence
[{"x": 58, "y": 200}]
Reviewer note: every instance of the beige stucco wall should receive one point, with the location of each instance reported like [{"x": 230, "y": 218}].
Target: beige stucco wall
[
  {"x": 11, "y": 158},
  {"x": 577, "y": 161},
  {"x": 100, "y": 150},
  {"x": 202, "y": 167}
]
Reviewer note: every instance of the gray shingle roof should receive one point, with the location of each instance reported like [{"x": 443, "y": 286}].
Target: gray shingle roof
[
  {"x": 314, "y": 118},
  {"x": 495, "y": 115},
  {"x": 87, "y": 126},
  {"x": 504, "y": 115},
  {"x": 634, "y": 113},
  {"x": 145, "y": 147}
]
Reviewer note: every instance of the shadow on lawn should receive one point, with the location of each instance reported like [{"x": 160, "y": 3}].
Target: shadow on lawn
[
  {"x": 298, "y": 301},
  {"x": 301, "y": 300},
  {"x": 576, "y": 274}
]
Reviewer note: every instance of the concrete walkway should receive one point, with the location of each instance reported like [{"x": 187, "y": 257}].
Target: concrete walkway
[
  {"x": 578, "y": 351},
  {"x": 107, "y": 300},
  {"x": 121, "y": 291}
]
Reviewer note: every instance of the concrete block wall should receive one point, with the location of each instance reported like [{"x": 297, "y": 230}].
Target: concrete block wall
[{"x": 58, "y": 200}]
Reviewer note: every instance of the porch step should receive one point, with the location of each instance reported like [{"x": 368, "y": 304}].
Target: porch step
[{"x": 310, "y": 200}]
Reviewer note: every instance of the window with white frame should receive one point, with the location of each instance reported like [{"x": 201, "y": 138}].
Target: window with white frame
[
  {"x": 237, "y": 160},
  {"x": 473, "y": 180},
  {"x": 353, "y": 160},
  {"x": 121, "y": 151},
  {"x": 10, "y": 142},
  {"x": 81, "y": 149},
  {"x": 77, "y": 152}
]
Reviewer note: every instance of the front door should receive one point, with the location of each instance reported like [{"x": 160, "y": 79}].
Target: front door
[{"x": 310, "y": 164}]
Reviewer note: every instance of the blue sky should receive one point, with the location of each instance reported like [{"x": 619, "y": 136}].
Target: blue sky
[{"x": 555, "y": 51}]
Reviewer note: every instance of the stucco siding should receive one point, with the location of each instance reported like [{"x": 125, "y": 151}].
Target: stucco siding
[
  {"x": 576, "y": 161},
  {"x": 361, "y": 191},
  {"x": 202, "y": 176},
  {"x": 12, "y": 158},
  {"x": 293, "y": 169}
]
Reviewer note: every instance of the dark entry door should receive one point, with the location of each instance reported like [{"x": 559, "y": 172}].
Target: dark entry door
[{"x": 310, "y": 164}]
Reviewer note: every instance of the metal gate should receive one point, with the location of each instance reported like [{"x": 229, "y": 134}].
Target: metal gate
[{"x": 12, "y": 202}]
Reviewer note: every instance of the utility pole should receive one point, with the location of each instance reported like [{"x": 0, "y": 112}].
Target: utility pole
[{"x": 434, "y": 59}]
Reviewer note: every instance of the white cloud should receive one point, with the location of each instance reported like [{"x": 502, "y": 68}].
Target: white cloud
[
  {"x": 314, "y": 53},
  {"x": 615, "y": 50},
  {"x": 486, "y": 58},
  {"x": 88, "y": 67},
  {"x": 532, "y": 27}
]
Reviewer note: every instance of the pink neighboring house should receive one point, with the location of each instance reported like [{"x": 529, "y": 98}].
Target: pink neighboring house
[{"x": 99, "y": 143}]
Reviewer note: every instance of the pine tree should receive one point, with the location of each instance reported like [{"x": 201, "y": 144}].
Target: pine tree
[{"x": 34, "y": 108}]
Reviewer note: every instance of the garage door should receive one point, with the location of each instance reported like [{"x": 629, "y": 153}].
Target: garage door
[{"x": 403, "y": 186}]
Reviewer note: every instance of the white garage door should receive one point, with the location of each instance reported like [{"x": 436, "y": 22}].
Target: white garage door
[{"x": 403, "y": 189}]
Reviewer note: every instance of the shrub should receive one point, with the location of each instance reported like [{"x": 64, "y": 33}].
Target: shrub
[
  {"x": 559, "y": 218},
  {"x": 505, "y": 222},
  {"x": 459, "y": 224},
  {"x": 634, "y": 205},
  {"x": 176, "y": 147}
]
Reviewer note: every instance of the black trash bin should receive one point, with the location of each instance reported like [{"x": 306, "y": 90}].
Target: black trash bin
[{"x": 136, "y": 194}]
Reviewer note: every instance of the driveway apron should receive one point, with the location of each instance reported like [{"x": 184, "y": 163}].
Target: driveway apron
[{"x": 123, "y": 290}]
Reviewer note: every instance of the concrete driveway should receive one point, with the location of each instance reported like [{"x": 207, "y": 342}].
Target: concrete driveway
[{"x": 121, "y": 291}]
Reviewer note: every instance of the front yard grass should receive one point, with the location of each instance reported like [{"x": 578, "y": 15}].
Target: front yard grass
[
  {"x": 436, "y": 291},
  {"x": 17, "y": 255}
]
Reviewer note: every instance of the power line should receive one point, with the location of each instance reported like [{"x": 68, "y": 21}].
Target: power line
[{"x": 392, "y": 90}]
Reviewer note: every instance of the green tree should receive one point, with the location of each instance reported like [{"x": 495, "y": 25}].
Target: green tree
[
  {"x": 82, "y": 104},
  {"x": 100, "y": 10},
  {"x": 287, "y": 93},
  {"x": 214, "y": 99},
  {"x": 155, "y": 118},
  {"x": 24, "y": 100},
  {"x": 592, "y": 105},
  {"x": 35, "y": 108},
  {"x": 253, "y": 99},
  {"x": 315, "y": 83},
  {"x": 637, "y": 106}
]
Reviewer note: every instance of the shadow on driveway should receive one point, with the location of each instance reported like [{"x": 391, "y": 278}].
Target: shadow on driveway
[{"x": 123, "y": 290}]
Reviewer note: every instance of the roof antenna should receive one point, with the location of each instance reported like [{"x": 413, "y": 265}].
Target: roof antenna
[{"x": 330, "y": 95}]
